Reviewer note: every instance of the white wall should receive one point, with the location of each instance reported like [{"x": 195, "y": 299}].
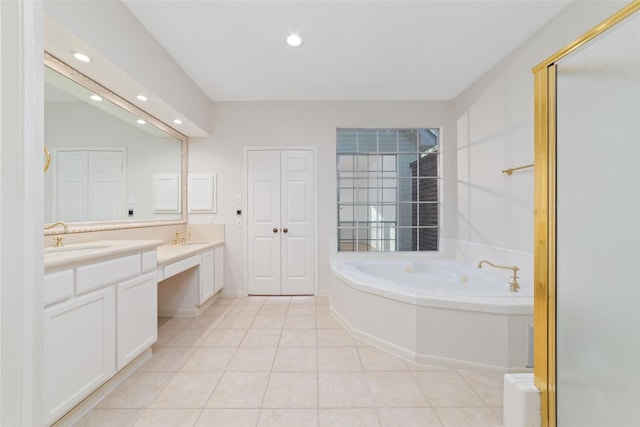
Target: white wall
[
  {"x": 244, "y": 124},
  {"x": 495, "y": 131}
]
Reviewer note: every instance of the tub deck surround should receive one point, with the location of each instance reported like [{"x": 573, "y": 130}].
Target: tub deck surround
[
  {"x": 428, "y": 310},
  {"x": 85, "y": 253},
  {"x": 443, "y": 283}
]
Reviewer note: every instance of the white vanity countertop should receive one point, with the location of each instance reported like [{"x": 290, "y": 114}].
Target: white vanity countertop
[
  {"x": 83, "y": 253},
  {"x": 170, "y": 253}
]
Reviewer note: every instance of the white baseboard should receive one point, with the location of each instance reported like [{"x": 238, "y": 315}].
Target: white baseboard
[
  {"x": 232, "y": 293},
  {"x": 82, "y": 408}
]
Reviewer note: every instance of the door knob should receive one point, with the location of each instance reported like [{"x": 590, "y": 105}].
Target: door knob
[
  {"x": 285, "y": 230},
  {"x": 275, "y": 230}
]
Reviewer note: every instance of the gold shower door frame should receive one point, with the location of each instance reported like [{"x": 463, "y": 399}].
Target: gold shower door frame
[{"x": 545, "y": 216}]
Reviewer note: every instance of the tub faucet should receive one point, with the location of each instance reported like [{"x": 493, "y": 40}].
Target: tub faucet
[{"x": 513, "y": 285}]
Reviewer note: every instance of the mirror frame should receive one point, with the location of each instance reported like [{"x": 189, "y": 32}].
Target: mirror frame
[{"x": 83, "y": 80}]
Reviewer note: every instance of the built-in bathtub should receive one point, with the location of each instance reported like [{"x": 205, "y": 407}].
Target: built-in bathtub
[{"x": 436, "y": 311}]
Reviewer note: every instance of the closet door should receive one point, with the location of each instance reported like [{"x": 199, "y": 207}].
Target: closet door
[
  {"x": 89, "y": 185},
  {"x": 281, "y": 219},
  {"x": 106, "y": 182},
  {"x": 72, "y": 170},
  {"x": 297, "y": 222},
  {"x": 264, "y": 222}
]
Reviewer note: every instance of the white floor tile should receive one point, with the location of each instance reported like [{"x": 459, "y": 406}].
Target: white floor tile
[{"x": 278, "y": 361}]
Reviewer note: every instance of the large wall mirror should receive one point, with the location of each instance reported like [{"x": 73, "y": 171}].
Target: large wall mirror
[{"x": 112, "y": 164}]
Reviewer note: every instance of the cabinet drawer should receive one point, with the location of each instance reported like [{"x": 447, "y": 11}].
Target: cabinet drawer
[
  {"x": 58, "y": 286},
  {"x": 103, "y": 273},
  {"x": 180, "y": 266}
]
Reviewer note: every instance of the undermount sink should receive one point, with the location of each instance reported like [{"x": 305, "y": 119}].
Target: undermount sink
[
  {"x": 82, "y": 248},
  {"x": 193, "y": 243}
]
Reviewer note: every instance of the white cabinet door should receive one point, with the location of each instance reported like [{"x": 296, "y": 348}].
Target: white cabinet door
[
  {"x": 79, "y": 349},
  {"x": 137, "y": 317},
  {"x": 219, "y": 269},
  {"x": 281, "y": 223},
  {"x": 207, "y": 277}
]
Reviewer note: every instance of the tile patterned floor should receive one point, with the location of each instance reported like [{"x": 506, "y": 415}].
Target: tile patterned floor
[{"x": 285, "y": 361}]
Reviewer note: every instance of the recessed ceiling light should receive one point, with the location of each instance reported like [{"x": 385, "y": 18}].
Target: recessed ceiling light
[
  {"x": 294, "y": 40},
  {"x": 97, "y": 98},
  {"x": 177, "y": 121},
  {"x": 81, "y": 57},
  {"x": 140, "y": 122},
  {"x": 141, "y": 97}
]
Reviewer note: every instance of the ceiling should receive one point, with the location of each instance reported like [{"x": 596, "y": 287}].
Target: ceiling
[{"x": 351, "y": 50}]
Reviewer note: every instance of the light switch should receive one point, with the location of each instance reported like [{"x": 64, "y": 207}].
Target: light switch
[
  {"x": 238, "y": 222},
  {"x": 238, "y": 199}
]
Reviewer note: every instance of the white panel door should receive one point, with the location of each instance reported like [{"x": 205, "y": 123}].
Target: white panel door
[
  {"x": 89, "y": 185},
  {"x": 264, "y": 222},
  {"x": 297, "y": 220},
  {"x": 106, "y": 197},
  {"x": 71, "y": 186},
  {"x": 281, "y": 222}
]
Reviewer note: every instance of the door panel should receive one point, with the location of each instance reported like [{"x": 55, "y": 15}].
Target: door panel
[
  {"x": 297, "y": 218},
  {"x": 264, "y": 213},
  {"x": 71, "y": 186},
  {"x": 281, "y": 197},
  {"x": 264, "y": 210},
  {"x": 89, "y": 185},
  {"x": 106, "y": 198},
  {"x": 296, "y": 212}
]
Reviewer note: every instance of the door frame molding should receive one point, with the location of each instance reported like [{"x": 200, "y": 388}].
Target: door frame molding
[
  {"x": 244, "y": 205},
  {"x": 545, "y": 215}
]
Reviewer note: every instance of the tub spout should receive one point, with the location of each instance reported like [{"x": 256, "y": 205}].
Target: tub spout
[{"x": 513, "y": 284}]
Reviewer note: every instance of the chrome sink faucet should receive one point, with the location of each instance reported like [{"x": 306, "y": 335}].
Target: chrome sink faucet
[{"x": 513, "y": 285}]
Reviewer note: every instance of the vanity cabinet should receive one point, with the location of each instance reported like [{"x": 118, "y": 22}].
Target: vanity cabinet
[
  {"x": 98, "y": 317},
  {"x": 207, "y": 276},
  {"x": 137, "y": 316},
  {"x": 211, "y": 273},
  {"x": 219, "y": 269},
  {"x": 79, "y": 349},
  {"x": 189, "y": 276}
]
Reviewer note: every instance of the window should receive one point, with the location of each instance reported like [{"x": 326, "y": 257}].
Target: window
[{"x": 388, "y": 189}]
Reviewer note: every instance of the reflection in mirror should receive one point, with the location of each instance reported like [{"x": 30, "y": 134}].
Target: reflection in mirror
[{"x": 112, "y": 164}]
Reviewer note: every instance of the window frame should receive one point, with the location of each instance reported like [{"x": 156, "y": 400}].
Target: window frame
[{"x": 377, "y": 173}]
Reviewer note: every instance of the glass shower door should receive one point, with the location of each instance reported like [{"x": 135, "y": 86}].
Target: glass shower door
[{"x": 598, "y": 231}]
